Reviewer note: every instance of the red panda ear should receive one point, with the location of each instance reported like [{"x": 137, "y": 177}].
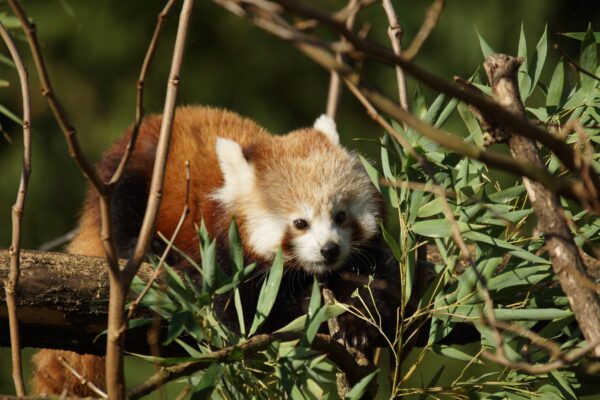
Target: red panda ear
[
  {"x": 238, "y": 174},
  {"x": 325, "y": 124}
]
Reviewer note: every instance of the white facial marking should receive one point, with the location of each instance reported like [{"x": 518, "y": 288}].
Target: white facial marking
[
  {"x": 266, "y": 233},
  {"x": 326, "y": 125},
  {"x": 307, "y": 246},
  {"x": 238, "y": 174}
]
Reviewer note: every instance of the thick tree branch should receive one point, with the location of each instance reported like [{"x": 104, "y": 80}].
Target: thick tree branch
[
  {"x": 12, "y": 282},
  {"x": 564, "y": 255}
]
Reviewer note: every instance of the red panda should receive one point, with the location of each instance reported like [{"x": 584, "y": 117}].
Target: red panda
[{"x": 301, "y": 192}]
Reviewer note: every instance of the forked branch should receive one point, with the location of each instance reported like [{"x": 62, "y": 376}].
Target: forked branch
[{"x": 11, "y": 284}]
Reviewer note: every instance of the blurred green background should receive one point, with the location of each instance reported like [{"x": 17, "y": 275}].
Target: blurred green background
[{"x": 94, "y": 50}]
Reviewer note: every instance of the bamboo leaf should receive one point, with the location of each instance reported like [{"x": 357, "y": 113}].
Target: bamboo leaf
[{"x": 268, "y": 293}]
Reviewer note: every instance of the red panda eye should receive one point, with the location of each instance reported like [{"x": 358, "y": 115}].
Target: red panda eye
[
  {"x": 340, "y": 217},
  {"x": 300, "y": 224}
]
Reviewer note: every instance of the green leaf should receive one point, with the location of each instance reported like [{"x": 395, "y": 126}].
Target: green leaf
[
  {"x": 514, "y": 250},
  {"x": 328, "y": 311},
  {"x": 507, "y": 195},
  {"x": 10, "y": 115},
  {"x": 446, "y": 112},
  {"x": 524, "y": 78},
  {"x": 519, "y": 277},
  {"x": 208, "y": 255},
  {"x": 177, "y": 325},
  {"x": 433, "y": 112},
  {"x": 561, "y": 384},
  {"x": 434, "y": 207},
  {"x": 208, "y": 382},
  {"x": 235, "y": 246},
  {"x": 453, "y": 352},
  {"x": 359, "y": 389},
  {"x": 440, "y": 227},
  {"x": 556, "y": 86},
  {"x": 312, "y": 323},
  {"x": 268, "y": 293},
  {"x": 239, "y": 310},
  {"x": 580, "y": 35},
  {"x": 485, "y": 48},
  {"x": 539, "y": 57},
  {"x": 471, "y": 124},
  {"x": 588, "y": 60}
]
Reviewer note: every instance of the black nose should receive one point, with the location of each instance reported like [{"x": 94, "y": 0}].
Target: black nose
[{"x": 330, "y": 251}]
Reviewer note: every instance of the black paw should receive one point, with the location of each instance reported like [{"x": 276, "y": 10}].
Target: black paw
[{"x": 357, "y": 333}]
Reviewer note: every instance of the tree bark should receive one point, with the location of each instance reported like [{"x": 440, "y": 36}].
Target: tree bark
[
  {"x": 63, "y": 302},
  {"x": 564, "y": 255}
]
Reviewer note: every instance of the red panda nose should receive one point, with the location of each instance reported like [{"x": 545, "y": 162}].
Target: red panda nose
[{"x": 330, "y": 251}]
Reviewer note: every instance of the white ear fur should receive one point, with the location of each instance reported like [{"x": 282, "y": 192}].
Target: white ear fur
[
  {"x": 238, "y": 174},
  {"x": 326, "y": 125}
]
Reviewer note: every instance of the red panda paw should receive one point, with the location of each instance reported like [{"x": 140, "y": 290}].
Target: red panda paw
[{"x": 357, "y": 333}]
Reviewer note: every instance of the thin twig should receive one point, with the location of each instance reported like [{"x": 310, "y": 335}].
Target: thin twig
[
  {"x": 139, "y": 103},
  {"x": 120, "y": 280},
  {"x": 322, "y": 343},
  {"x": 538, "y": 369},
  {"x": 68, "y": 131},
  {"x": 158, "y": 270},
  {"x": 48, "y": 92},
  {"x": 162, "y": 149},
  {"x": 11, "y": 285},
  {"x": 333, "y": 94},
  {"x": 81, "y": 378},
  {"x": 395, "y": 34},
  {"x": 58, "y": 241},
  {"x": 432, "y": 17}
]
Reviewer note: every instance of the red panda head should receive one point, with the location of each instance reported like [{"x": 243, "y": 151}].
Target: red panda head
[{"x": 302, "y": 192}]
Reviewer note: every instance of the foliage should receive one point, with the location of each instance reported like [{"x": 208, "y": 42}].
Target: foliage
[
  {"x": 497, "y": 222},
  {"x": 289, "y": 368}
]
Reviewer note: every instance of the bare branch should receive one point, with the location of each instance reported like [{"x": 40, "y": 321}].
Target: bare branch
[
  {"x": 83, "y": 381},
  {"x": 322, "y": 343},
  {"x": 488, "y": 106},
  {"x": 162, "y": 149},
  {"x": 564, "y": 255},
  {"x": 333, "y": 96},
  {"x": 432, "y": 17},
  {"x": 58, "y": 241},
  {"x": 47, "y": 91},
  {"x": 158, "y": 270},
  {"x": 12, "y": 283},
  {"x": 395, "y": 34},
  {"x": 574, "y": 64},
  {"x": 139, "y": 102},
  {"x": 120, "y": 281}
]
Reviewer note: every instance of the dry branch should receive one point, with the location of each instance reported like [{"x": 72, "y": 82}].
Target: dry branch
[
  {"x": 62, "y": 301},
  {"x": 322, "y": 343},
  {"x": 564, "y": 255},
  {"x": 395, "y": 34},
  {"x": 139, "y": 100},
  {"x": 11, "y": 284},
  {"x": 484, "y": 103}
]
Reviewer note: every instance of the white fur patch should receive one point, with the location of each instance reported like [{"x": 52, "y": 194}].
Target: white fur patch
[
  {"x": 307, "y": 247},
  {"x": 326, "y": 125},
  {"x": 265, "y": 233},
  {"x": 238, "y": 174}
]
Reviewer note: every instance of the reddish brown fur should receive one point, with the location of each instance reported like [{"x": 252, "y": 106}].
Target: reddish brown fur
[{"x": 194, "y": 134}]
